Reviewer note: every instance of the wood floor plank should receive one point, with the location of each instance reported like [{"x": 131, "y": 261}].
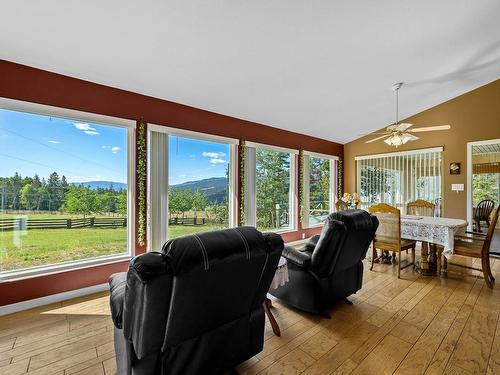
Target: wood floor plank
[
  {"x": 16, "y": 368},
  {"x": 109, "y": 366},
  {"x": 442, "y": 355},
  {"x": 341, "y": 352},
  {"x": 293, "y": 363},
  {"x": 472, "y": 352},
  {"x": 385, "y": 358},
  {"x": 318, "y": 345},
  {"x": 417, "y": 361},
  {"x": 494, "y": 362}
]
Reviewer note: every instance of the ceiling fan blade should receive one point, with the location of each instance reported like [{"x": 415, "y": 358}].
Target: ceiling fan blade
[
  {"x": 410, "y": 137},
  {"x": 374, "y": 133},
  {"x": 376, "y": 139},
  {"x": 403, "y": 126},
  {"x": 429, "y": 128},
  {"x": 400, "y": 127}
]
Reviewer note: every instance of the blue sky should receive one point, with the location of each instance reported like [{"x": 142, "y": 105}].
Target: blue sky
[
  {"x": 191, "y": 160},
  {"x": 84, "y": 151},
  {"x": 79, "y": 150}
]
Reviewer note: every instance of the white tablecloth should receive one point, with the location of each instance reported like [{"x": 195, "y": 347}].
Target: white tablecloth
[
  {"x": 437, "y": 230},
  {"x": 281, "y": 275}
]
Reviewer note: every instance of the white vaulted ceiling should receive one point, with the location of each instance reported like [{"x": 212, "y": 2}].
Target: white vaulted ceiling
[{"x": 323, "y": 68}]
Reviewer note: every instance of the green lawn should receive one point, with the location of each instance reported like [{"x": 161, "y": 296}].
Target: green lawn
[
  {"x": 39, "y": 247},
  {"x": 175, "y": 231},
  {"x": 49, "y": 246}
]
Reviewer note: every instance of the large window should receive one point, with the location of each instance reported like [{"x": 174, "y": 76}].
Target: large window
[
  {"x": 272, "y": 188},
  {"x": 400, "y": 177},
  {"x": 190, "y": 184},
  {"x": 63, "y": 191},
  {"x": 319, "y": 188},
  {"x": 198, "y": 192}
]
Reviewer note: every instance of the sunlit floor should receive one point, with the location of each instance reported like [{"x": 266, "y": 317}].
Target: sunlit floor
[{"x": 407, "y": 326}]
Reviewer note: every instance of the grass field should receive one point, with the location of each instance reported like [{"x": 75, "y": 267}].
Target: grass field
[
  {"x": 39, "y": 247},
  {"x": 49, "y": 246}
]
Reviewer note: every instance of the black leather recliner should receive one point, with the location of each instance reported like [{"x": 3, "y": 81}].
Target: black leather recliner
[
  {"x": 196, "y": 306},
  {"x": 329, "y": 267}
]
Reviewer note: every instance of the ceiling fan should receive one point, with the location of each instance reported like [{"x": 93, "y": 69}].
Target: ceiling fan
[{"x": 398, "y": 133}]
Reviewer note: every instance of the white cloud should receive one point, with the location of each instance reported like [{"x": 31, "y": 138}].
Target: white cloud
[
  {"x": 54, "y": 142},
  {"x": 86, "y": 128},
  {"x": 83, "y": 126},
  {"x": 114, "y": 149},
  {"x": 217, "y": 161},
  {"x": 213, "y": 155}
]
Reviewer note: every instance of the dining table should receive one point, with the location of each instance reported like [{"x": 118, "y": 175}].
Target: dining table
[{"x": 437, "y": 235}]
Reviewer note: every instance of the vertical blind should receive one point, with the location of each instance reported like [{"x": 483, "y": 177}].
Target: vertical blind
[{"x": 400, "y": 177}]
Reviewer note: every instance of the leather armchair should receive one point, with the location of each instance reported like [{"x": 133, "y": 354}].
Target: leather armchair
[
  {"x": 329, "y": 267},
  {"x": 196, "y": 306}
]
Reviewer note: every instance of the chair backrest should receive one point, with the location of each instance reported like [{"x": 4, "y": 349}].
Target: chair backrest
[
  {"x": 420, "y": 208},
  {"x": 483, "y": 209},
  {"x": 197, "y": 284},
  {"x": 340, "y": 205},
  {"x": 437, "y": 209},
  {"x": 389, "y": 228},
  {"x": 491, "y": 232},
  {"x": 343, "y": 242},
  {"x": 217, "y": 277}
]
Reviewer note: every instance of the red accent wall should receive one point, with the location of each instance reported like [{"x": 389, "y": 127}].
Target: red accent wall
[{"x": 30, "y": 84}]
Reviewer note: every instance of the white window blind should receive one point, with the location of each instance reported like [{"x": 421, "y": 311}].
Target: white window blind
[{"x": 400, "y": 177}]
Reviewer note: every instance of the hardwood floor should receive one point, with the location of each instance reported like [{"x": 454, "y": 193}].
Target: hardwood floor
[{"x": 414, "y": 325}]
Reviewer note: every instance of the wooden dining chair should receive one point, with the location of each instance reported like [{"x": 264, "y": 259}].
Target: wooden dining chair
[
  {"x": 420, "y": 208},
  {"x": 476, "y": 245},
  {"x": 340, "y": 205},
  {"x": 423, "y": 208},
  {"x": 388, "y": 235},
  {"x": 482, "y": 212}
]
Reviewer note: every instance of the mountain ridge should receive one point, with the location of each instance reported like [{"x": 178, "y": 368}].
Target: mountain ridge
[{"x": 214, "y": 188}]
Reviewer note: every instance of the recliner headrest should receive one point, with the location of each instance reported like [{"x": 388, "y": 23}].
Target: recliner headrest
[
  {"x": 353, "y": 219},
  {"x": 202, "y": 251}
]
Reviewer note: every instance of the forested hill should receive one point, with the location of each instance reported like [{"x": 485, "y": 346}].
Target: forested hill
[
  {"x": 106, "y": 185},
  {"x": 215, "y": 188}
]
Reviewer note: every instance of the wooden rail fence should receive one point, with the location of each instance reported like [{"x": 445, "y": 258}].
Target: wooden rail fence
[{"x": 20, "y": 223}]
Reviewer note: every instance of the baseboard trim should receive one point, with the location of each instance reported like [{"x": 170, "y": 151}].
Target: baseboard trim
[{"x": 37, "y": 302}]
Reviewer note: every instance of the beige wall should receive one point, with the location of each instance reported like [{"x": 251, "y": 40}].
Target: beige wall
[{"x": 474, "y": 116}]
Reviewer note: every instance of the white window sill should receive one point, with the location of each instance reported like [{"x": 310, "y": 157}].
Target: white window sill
[{"x": 56, "y": 268}]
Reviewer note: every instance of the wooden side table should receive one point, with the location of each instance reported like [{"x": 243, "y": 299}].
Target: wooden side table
[{"x": 280, "y": 278}]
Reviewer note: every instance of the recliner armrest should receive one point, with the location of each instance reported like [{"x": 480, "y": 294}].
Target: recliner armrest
[
  {"x": 311, "y": 243},
  {"x": 297, "y": 257},
  {"x": 117, "y": 284},
  {"x": 149, "y": 265}
]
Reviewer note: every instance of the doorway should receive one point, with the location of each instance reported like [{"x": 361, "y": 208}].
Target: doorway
[{"x": 483, "y": 180}]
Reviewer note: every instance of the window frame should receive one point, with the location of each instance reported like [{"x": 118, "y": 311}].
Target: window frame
[
  {"x": 157, "y": 220},
  {"x": 333, "y": 160},
  {"x": 251, "y": 190},
  {"x": 414, "y": 152},
  {"x": 75, "y": 115}
]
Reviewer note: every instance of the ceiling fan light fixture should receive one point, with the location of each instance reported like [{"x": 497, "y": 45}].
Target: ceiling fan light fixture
[{"x": 397, "y": 140}]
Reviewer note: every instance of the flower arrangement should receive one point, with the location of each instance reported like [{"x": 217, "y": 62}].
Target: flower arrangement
[{"x": 352, "y": 200}]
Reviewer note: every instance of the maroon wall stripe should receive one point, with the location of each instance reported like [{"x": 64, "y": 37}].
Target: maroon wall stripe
[{"x": 34, "y": 85}]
